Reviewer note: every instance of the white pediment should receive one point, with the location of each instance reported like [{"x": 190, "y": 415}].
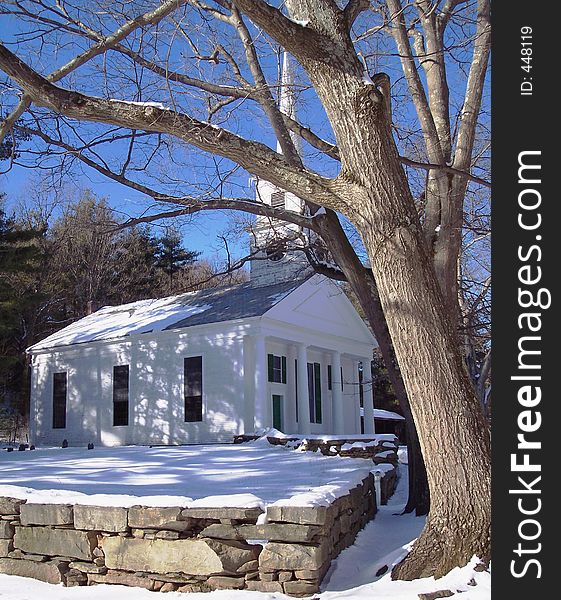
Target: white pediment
[{"x": 320, "y": 305}]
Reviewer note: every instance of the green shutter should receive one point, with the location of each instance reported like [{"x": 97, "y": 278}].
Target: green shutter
[
  {"x": 329, "y": 377},
  {"x": 270, "y": 361},
  {"x": 283, "y": 369},
  {"x": 317, "y": 377}
]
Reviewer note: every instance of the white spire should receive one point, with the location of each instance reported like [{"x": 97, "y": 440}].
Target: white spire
[
  {"x": 287, "y": 98},
  {"x": 273, "y": 266}
]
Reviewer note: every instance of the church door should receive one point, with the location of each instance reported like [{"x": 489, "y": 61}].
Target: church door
[{"x": 277, "y": 412}]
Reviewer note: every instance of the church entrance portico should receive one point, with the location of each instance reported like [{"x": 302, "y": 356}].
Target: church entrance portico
[{"x": 304, "y": 389}]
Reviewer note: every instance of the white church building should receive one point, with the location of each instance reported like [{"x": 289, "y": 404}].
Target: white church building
[
  {"x": 205, "y": 366},
  {"x": 286, "y": 350}
]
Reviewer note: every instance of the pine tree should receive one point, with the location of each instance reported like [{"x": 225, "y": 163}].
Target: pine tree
[
  {"x": 172, "y": 257},
  {"x": 19, "y": 261},
  {"x": 136, "y": 264}
]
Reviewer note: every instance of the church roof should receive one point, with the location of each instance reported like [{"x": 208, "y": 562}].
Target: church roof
[{"x": 213, "y": 305}]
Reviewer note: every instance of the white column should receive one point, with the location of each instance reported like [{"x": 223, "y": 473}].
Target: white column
[
  {"x": 290, "y": 417},
  {"x": 248, "y": 384},
  {"x": 327, "y": 413},
  {"x": 303, "y": 392},
  {"x": 367, "y": 389},
  {"x": 337, "y": 394},
  {"x": 262, "y": 416},
  {"x": 356, "y": 395}
]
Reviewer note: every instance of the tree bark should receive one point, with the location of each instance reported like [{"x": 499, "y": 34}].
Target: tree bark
[
  {"x": 445, "y": 193},
  {"x": 452, "y": 433},
  {"x": 364, "y": 287}
]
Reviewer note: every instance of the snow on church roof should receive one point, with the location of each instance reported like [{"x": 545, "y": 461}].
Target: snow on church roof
[{"x": 212, "y": 305}]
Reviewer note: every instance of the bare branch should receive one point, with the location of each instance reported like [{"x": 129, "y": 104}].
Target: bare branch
[
  {"x": 420, "y": 101},
  {"x": 192, "y": 204},
  {"x": 211, "y": 88},
  {"x": 264, "y": 93},
  {"x": 474, "y": 89},
  {"x": 353, "y": 9},
  {"x": 297, "y": 39},
  {"x": 307, "y": 134},
  {"x": 444, "y": 168},
  {"x": 432, "y": 61},
  {"x": 447, "y": 12},
  {"x": 333, "y": 151},
  {"x": 150, "y": 18},
  {"x": 253, "y": 156}
]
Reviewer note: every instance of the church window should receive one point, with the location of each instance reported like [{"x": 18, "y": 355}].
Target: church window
[
  {"x": 120, "y": 395},
  {"x": 193, "y": 388},
  {"x": 59, "y": 400},
  {"x": 277, "y": 368}
]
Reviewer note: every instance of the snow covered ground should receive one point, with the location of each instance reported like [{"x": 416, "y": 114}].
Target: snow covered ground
[
  {"x": 254, "y": 474},
  {"x": 352, "y": 575}
]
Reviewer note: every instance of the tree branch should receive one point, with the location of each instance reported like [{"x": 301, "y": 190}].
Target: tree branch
[
  {"x": 297, "y": 39},
  {"x": 444, "y": 168},
  {"x": 474, "y": 88},
  {"x": 149, "y": 18},
  {"x": 447, "y": 12},
  {"x": 353, "y": 9},
  {"x": 420, "y": 101},
  {"x": 265, "y": 97},
  {"x": 253, "y": 156},
  {"x": 432, "y": 61},
  {"x": 191, "y": 204},
  {"x": 211, "y": 88},
  {"x": 309, "y": 136}
]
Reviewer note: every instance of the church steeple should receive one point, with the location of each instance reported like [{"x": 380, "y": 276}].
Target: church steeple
[
  {"x": 287, "y": 97},
  {"x": 271, "y": 239}
]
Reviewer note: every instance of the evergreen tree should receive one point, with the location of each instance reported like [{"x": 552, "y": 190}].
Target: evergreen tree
[
  {"x": 136, "y": 265},
  {"x": 19, "y": 262},
  {"x": 172, "y": 257}
]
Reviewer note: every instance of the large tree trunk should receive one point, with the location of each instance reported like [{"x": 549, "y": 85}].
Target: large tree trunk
[
  {"x": 451, "y": 429},
  {"x": 452, "y": 432},
  {"x": 376, "y": 197},
  {"x": 364, "y": 287}
]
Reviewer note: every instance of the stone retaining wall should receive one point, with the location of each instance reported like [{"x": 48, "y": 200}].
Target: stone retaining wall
[
  {"x": 376, "y": 448},
  {"x": 181, "y": 549}
]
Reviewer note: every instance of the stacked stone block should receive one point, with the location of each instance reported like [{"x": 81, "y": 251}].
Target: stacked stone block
[
  {"x": 181, "y": 549},
  {"x": 297, "y": 568}
]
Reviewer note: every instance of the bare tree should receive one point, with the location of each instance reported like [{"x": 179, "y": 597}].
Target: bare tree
[{"x": 204, "y": 86}]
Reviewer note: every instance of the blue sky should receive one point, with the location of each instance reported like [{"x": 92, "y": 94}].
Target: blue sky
[{"x": 201, "y": 232}]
